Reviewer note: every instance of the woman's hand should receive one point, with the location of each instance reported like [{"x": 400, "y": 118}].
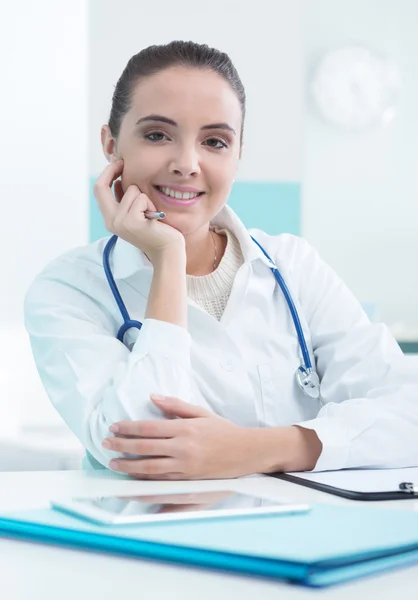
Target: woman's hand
[
  {"x": 198, "y": 445},
  {"x": 126, "y": 219}
]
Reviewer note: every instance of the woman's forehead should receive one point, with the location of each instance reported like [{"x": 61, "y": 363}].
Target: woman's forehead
[{"x": 184, "y": 91}]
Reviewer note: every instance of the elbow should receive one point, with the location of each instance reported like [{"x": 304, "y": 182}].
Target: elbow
[
  {"x": 96, "y": 429},
  {"x": 110, "y": 409}
]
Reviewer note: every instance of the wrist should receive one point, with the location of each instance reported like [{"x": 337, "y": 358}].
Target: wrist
[
  {"x": 282, "y": 449},
  {"x": 167, "y": 300},
  {"x": 172, "y": 256}
]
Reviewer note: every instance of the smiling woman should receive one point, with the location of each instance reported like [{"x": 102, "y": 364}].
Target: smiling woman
[
  {"x": 178, "y": 133},
  {"x": 209, "y": 337}
]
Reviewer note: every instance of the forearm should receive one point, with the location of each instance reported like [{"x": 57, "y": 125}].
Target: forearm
[
  {"x": 168, "y": 294},
  {"x": 282, "y": 449},
  {"x": 158, "y": 363}
]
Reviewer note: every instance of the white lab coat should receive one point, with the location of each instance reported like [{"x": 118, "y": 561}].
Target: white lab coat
[{"x": 242, "y": 368}]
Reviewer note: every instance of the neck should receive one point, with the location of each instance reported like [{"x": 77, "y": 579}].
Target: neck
[{"x": 200, "y": 251}]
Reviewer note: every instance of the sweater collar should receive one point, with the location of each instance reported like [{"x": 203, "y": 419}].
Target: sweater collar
[{"x": 127, "y": 260}]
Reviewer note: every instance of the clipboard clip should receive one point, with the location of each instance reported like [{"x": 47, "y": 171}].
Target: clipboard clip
[{"x": 408, "y": 487}]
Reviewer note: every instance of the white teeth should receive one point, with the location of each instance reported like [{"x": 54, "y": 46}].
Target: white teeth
[{"x": 178, "y": 195}]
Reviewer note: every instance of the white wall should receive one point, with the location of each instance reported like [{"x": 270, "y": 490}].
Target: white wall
[
  {"x": 360, "y": 191},
  {"x": 264, "y": 40},
  {"x": 53, "y": 108},
  {"x": 59, "y": 64},
  {"x": 43, "y": 174}
]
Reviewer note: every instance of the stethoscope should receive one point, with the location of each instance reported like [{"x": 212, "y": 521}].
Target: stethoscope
[{"x": 306, "y": 376}]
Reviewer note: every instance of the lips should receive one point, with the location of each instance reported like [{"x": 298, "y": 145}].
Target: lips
[
  {"x": 182, "y": 190},
  {"x": 180, "y": 202}
]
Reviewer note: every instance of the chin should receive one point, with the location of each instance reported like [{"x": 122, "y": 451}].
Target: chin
[{"x": 185, "y": 223}]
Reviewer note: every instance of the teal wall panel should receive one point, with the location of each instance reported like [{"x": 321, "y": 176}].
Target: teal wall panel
[{"x": 272, "y": 206}]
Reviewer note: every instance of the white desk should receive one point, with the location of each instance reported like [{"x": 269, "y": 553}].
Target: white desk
[{"x": 30, "y": 571}]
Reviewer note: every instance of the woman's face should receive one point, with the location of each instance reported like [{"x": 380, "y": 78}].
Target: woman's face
[{"x": 182, "y": 131}]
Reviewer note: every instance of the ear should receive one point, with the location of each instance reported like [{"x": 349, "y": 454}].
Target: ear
[{"x": 108, "y": 144}]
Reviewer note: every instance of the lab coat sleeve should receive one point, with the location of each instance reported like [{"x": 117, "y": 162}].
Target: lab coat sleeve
[
  {"x": 369, "y": 389},
  {"x": 92, "y": 379}
]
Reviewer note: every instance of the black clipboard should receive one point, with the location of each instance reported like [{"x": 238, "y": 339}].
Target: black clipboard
[{"x": 350, "y": 494}]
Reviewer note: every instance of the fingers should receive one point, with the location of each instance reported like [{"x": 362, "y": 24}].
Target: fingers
[
  {"x": 133, "y": 205},
  {"x": 115, "y": 212},
  {"x": 175, "y": 406},
  {"x": 137, "y": 210},
  {"x": 144, "y": 447},
  {"x": 149, "y": 429},
  {"x": 102, "y": 192},
  {"x": 128, "y": 199},
  {"x": 141, "y": 205},
  {"x": 110, "y": 173},
  {"x": 148, "y": 467},
  {"x": 118, "y": 190}
]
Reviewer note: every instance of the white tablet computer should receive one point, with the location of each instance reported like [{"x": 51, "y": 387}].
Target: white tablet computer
[{"x": 124, "y": 510}]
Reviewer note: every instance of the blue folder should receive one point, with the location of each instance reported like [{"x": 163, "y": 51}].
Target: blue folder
[{"x": 328, "y": 545}]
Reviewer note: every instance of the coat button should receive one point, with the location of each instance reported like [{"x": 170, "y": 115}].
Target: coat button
[{"x": 228, "y": 364}]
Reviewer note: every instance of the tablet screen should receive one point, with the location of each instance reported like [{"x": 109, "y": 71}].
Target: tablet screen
[
  {"x": 147, "y": 508},
  {"x": 175, "y": 503}
]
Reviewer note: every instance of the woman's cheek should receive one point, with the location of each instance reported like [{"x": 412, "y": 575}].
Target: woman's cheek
[{"x": 130, "y": 176}]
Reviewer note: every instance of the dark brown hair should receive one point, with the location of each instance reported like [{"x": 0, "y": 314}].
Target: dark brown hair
[{"x": 154, "y": 59}]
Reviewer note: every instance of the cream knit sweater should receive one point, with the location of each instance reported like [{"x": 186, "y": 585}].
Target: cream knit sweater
[{"x": 212, "y": 291}]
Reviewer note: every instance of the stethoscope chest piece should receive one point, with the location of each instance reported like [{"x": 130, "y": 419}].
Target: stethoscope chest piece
[{"x": 308, "y": 381}]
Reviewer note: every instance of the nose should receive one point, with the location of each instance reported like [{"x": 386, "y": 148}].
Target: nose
[{"x": 185, "y": 163}]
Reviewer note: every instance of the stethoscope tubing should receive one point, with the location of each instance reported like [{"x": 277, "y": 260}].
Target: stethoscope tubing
[
  {"x": 293, "y": 310},
  {"x": 128, "y": 322}
]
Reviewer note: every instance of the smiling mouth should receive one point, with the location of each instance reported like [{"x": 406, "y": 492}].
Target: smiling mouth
[{"x": 180, "y": 196}]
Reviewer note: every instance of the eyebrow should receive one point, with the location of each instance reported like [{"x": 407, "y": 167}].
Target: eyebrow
[{"x": 162, "y": 119}]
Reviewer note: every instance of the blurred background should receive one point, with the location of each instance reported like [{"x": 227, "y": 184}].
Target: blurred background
[{"x": 331, "y": 150}]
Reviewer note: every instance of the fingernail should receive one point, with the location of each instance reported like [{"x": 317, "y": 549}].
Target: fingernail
[
  {"x": 106, "y": 444},
  {"x": 158, "y": 397},
  {"x": 114, "y": 428},
  {"x": 114, "y": 464}
]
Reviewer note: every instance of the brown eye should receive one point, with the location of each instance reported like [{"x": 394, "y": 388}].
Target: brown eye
[
  {"x": 151, "y": 136},
  {"x": 216, "y": 141}
]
